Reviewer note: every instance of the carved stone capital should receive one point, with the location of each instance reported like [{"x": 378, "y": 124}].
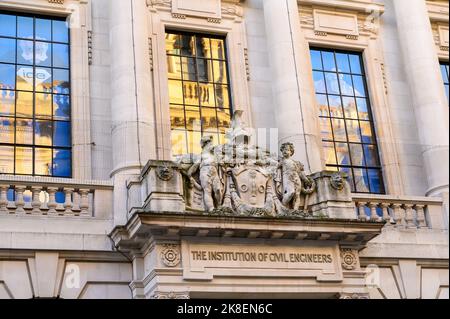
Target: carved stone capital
[{"x": 170, "y": 295}]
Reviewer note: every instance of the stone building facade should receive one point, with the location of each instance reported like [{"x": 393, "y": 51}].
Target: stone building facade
[{"x": 224, "y": 149}]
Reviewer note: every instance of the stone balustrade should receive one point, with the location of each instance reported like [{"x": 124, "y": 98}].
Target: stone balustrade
[
  {"x": 402, "y": 212},
  {"x": 24, "y": 195}
]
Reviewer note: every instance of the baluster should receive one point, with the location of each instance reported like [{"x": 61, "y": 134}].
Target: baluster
[
  {"x": 421, "y": 222},
  {"x": 84, "y": 202},
  {"x": 398, "y": 215},
  {"x": 4, "y": 198},
  {"x": 20, "y": 202},
  {"x": 385, "y": 209},
  {"x": 68, "y": 204},
  {"x": 52, "y": 200},
  {"x": 362, "y": 211},
  {"x": 409, "y": 218},
  {"x": 36, "y": 203},
  {"x": 373, "y": 211}
]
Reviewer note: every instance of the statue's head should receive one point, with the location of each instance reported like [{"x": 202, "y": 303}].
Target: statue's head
[
  {"x": 337, "y": 181},
  {"x": 287, "y": 149},
  {"x": 206, "y": 141}
]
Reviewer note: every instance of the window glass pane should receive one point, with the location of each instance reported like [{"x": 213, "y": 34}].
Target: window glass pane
[
  {"x": 218, "y": 49},
  {"x": 7, "y": 25},
  {"x": 177, "y": 119},
  {"x": 366, "y": 132},
  {"x": 194, "y": 142},
  {"x": 179, "y": 142},
  {"x": 332, "y": 83},
  {"x": 345, "y": 80},
  {"x": 363, "y": 110},
  {"x": 342, "y": 62},
  {"x": 7, "y": 76},
  {"x": 62, "y": 163},
  {"x": 43, "y": 29},
  {"x": 205, "y": 73},
  {"x": 190, "y": 90},
  {"x": 189, "y": 69},
  {"x": 173, "y": 44},
  {"x": 375, "y": 181},
  {"x": 43, "y": 160},
  {"x": 43, "y": 80},
  {"x": 355, "y": 63},
  {"x": 25, "y": 78},
  {"x": 325, "y": 126},
  {"x": 222, "y": 97},
  {"x": 353, "y": 131},
  {"x": 60, "y": 56},
  {"x": 25, "y": 27},
  {"x": 60, "y": 31},
  {"x": 220, "y": 72},
  {"x": 61, "y": 107},
  {"x": 43, "y": 133},
  {"x": 322, "y": 104},
  {"x": 328, "y": 61},
  {"x": 209, "y": 120},
  {"x": 6, "y": 157},
  {"x": 361, "y": 180},
  {"x": 335, "y": 106},
  {"x": 316, "y": 60},
  {"x": 6, "y": 130},
  {"x": 7, "y": 102},
  {"x": 342, "y": 154},
  {"x": 193, "y": 118},
  {"x": 24, "y": 131},
  {"x": 357, "y": 154},
  {"x": 43, "y": 53},
  {"x": 7, "y": 50},
  {"x": 207, "y": 95},
  {"x": 350, "y": 107},
  {"x": 174, "y": 67},
  {"x": 348, "y": 172},
  {"x": 330, "y": 154},
  {"x": 319, "y": 82},
  {"x": 43, "y": 104},
  {"x": 223, "y": 117},
  {"x": 61, "y": 134},
  {"x": 359, "y": 85},
  {"x": 25, "y": 52},
  {"x": 339, "y": 130},
  {"x": 24, "y": 104},
  {"x": 175, "y": 92},
  {"x": 203, "y": 47},
  {"x": 61, "y": 81},
  {"x": 371, "y": 155},
  {"x": 24, "y": 160}
]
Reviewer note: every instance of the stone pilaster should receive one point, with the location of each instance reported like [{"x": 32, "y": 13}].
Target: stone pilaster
[
  {"x": 293, "y": 89},
  {"x": 429, "y": 101}
]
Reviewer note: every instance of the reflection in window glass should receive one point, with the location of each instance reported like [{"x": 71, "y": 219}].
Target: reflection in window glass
[
  {"x": 199, "y": 92},
  {"x": 345, "y": 118},
  {"x": 445, "y": 75},
  {"x": 35, "y": 128}
]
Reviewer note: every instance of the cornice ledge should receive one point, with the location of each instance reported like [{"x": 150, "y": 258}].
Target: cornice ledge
[{"x": 365, "y": 6}]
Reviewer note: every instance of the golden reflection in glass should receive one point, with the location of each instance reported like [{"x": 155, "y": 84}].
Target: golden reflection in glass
[
  {"x": 209, "y": 120},
  {"x": 325, "y": 126},
  {"x": 189, "y": 69},
  {"x": 43, "y": 80},
  {"x": 205, "y": 70},
  {"x": 7, "y": 130},
  {"x": 6, "y": 159},
  {"x": 194, "y": 142},
  {"x": 203, "y": 47},
  {"x": 43, "y": 161},
  {"x": 24, "y": 160},
  {"x": 177, "y": 118},
  {"x": 339, "y": 130},
  {"x": 353, "y": 131},
  {"x": 366, "y": 132},
  {"x": 43, "y": 133},
  {"x": 190, "y": 90},
  {"x": 174, "y": 67},
  {"x": 330, "y": 154},
  {"x": 223, "y": 117},
  {"x": 207, "y": 95},
  {"x": 172, "y": 46},
  {"x": 222, "y": 96},
  {"x": 193, "y": 118},
  {"x": 24, "y": 104},
  {"x": 24, "y": 78},
  {"x": 350, "y": 108},
  {"x": 43, "y": 105},
  {"x": 175, "y": 92},
  {"x": 335, "y": 106},
  {"x": 24, "y": 131},
  {"x": 7, "y": 100},
  {"x": 179, "y": 142},
  {"x": 218, "y": 49},
  {"x": 220, "y": 72}
]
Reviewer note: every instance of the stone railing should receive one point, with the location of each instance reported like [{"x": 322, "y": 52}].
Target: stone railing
[
  {"x": 29, "y": 195},
  {"x": 402, "y": 212}
]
